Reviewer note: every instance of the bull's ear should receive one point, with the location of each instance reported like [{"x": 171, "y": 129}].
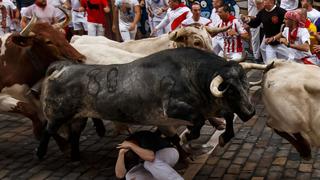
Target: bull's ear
[
  {"x": 176, "y": 36},
  {"x": 22, "y": 41}
]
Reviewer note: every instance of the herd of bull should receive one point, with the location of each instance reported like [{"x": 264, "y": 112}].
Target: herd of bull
[{"x": 148, "y": 82}]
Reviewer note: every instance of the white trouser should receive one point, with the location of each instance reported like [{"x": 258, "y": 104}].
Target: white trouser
[
  {"x": 160, "y": 168},
  {"x": 217, "y": 44},
  {"x": 95, "y": 29},
  {"x": 269, "y": 52},
  {"x": 79, "y": 21},
  {"x": 125, "y": 33},
  {"x": 255, "y": 42},
  {"x": 235, "y": 56}
]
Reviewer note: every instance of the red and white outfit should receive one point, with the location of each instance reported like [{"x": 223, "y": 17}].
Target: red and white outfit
[
  {"x": 203, "y": 21},
  {"x": 175, "y": 16},
  {"x": 233, "y": 46},
  {"x": 79, "y": 19},
  {"x": 299, "y": 36},
  {"x": 96, "y": 16}
]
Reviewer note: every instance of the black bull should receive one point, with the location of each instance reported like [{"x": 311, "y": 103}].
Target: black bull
[{"x": 171, "y": 87}]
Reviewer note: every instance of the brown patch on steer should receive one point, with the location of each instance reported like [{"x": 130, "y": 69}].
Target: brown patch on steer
[{"x": 29, "y": 111}]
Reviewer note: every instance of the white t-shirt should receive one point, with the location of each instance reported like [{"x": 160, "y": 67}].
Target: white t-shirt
[
  {"x": 302, "y": 37},
  {"x": 202, "y": 20},
  {"x": 9, "y": 7},
  {"x": 289, "y": 4},
  {"x": 44, "y": 15},
  {"x": 313, "y": 15},
  {"x": 155, "y": 6},
  {"x": 126, "y": 10},
  {"x": 215, "y": 18},
  {"x": 56, "y": 4}
]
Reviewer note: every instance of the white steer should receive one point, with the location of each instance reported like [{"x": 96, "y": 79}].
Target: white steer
[{"x": 291, "y": 94}]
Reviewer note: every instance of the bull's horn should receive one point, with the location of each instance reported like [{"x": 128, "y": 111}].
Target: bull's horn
[
  {"x": 26, "y": 31},
  {"x": 253, "y": 66},
  {"x": 215, "y": 83},
  {"x": 257, "y": 83},
  {"x": 213, "y": 30},
  {"x": 65, "y": 22}
]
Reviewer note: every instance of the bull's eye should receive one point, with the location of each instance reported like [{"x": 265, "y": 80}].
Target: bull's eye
[
  {"x": 197, "y": 43},
  {"x": 48, "y": 41}
]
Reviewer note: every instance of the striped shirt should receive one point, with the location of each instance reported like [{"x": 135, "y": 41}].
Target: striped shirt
[{"x": 232, "y": 44}]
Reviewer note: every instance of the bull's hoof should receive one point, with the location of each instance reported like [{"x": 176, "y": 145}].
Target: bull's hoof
[
  {"x": 307, "y": 158},
  {"x": 75, "y": 157},
  {"x": 101, "y": 131},
  {"x": 40, "y": 153},
  {"x": 222, "y": 143}
]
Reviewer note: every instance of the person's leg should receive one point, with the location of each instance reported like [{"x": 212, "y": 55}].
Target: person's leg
[
  {"x": 133, "y": 34},
  {"x": 283, "y": 52},
  {"x": 161, "y": 168},
  {"x": 138, "y": 172},
  {"x": 168, "y": 155},
  {"x": 124, "y": 32},
  {"x": 270, "y": 54},
  {"x": 237, "y": 57},
  {"x": 263, "y": 50},
  {"x": 100, "y": 30},
  {"x": 255, "y": 42},
  {"x": 91, "y": 29}
]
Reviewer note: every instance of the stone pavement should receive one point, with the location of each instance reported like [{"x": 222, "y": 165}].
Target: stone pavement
[
  {"x": 18, "y": 160},
  {"x": 257, "y": 153}
]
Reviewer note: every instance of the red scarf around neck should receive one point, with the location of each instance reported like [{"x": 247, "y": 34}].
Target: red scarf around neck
[
  {"x": 230, "y": 18},
  {"x": 293, "y": 35}
]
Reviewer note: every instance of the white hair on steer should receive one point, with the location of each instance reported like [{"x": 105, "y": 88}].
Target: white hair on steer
[
  {"x": 10, "y": 96},
  {"x": 3, "y": 45}
]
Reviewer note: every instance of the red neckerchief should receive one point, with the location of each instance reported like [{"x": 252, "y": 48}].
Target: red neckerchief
[
  {"x": 308, "y": 22},
  {"x": 179, "y": 6},
  {"x": 230, "y": 19},
  {"x": 293, "y": 35}
]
